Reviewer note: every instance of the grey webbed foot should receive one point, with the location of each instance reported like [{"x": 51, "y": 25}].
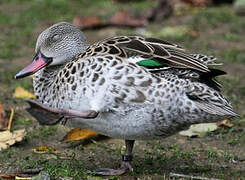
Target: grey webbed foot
[
  {"x": 125, "y": 167},
  {"x": 51, "y": 116},
  {"x": 43, "y": 115},
  {"x": 125, "y": 164}
]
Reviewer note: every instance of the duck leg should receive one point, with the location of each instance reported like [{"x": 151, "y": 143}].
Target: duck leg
[
  {"x": 51, "y": 116},
  {"x": 125, "y": 164}
]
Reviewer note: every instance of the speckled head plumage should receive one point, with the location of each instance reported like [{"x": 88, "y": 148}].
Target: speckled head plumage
[
  {"x": 62, "y": 42},
  {"x": 56, "y": 45}
]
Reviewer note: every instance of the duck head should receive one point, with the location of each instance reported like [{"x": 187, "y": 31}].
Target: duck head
[{"x": 56, "y": 45}]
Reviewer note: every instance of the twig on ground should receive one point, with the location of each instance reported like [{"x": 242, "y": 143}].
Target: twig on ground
[
  {"x": 191, "y": 177},
  {"x": 11, "y": 119},
  {"x": 32, "y": 171}
]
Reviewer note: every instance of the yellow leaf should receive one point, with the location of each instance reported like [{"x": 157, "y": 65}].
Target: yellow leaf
[
  {"x": 79, "y": 134},
  {"x": 189, "y": 133},
  {"x": 8, "y": 138},
  {"x": 225, "y": 123},
  {"x": 20, "y": 92},
  {"x": 197, "y": 130},
  {"x": 44, "y": 149},
  {"x": 203, "y": 127},
  {"x": 22, "y": 178}
]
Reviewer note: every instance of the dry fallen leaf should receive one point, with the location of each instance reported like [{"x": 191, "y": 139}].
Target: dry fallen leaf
[
  {"x": 44, "y": 149},
  {"x": 128, "y": 1},
  {"x": 15, "y": 176},
  {"x": 7, "y": 176},
  {"x": 8, "y": 138},
  {"x": 53, "y": 154},
  {"x": 199, "y": 3},
  {"x": 22, "y": 178},
  {"x": 3, "y": 118},
  {"x": 86, "y": 22},
  {"x": 123, "y": 18},
  {"x": 79, "y": 134},
  {"x": 225, "y": 123},
  {"x": 188, "y": 133},
  {"x": 199, "y": 129},
  {"x": 120, "y": 19},
  {"x": 20, "y": 92}
]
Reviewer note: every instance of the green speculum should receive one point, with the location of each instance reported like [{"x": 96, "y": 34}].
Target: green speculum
[{"x": 149, "y": 63}]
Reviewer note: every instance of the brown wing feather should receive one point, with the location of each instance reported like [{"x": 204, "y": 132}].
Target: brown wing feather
[
  {"x": 136, "y": 45},
  {"x": 171, "y": 56},
  {"x": 164, "y": 52},
  {"x": 166, "y": 43}
]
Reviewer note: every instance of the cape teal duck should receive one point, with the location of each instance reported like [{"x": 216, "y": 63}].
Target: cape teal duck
[{"x": 127, "y": 87}]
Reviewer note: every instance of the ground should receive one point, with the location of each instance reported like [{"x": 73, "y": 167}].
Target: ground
[{"x": 214, "y": 31}]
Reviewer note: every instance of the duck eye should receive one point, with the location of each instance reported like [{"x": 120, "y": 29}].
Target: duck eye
[{"x": 55, "y": 37}]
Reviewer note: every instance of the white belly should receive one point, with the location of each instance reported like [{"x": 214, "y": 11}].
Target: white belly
[{"x": 134, "y": 125}]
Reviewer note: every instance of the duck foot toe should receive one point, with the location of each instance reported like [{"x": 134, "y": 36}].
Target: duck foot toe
[{"x": 125, "y": 166}]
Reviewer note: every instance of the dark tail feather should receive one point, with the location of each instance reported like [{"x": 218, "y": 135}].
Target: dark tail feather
[
  {"x": 209, "y": 78},
  {"x": 214, "y": 72}
]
